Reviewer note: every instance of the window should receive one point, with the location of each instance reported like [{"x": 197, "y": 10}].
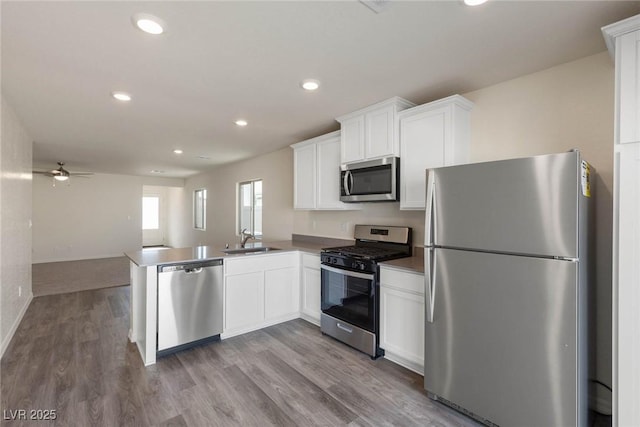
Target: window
[
  {"x": 199, "y": 209},
  {"x": 250, "y": 207},
  {"x": 150, "y": 212}
]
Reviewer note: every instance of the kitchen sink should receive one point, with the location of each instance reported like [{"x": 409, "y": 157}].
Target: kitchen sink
[{"x": 241, "y": 251}]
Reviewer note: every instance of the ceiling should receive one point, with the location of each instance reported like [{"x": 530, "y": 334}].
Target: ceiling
[{"x": 220, "y": 61}]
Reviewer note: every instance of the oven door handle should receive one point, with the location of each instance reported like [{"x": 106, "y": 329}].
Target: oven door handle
[{"x": 347, "y": 272}]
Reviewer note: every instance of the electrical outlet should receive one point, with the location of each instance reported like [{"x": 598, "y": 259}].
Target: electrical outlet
[
  {"x": 344, "y": 226},
  {"x": 19, "y": 291}
]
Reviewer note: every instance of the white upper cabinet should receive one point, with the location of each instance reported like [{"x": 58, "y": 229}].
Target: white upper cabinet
[
  {"x": 316, "y": 174},
  {"x": 372, "y": 132},
  {"x": 623, "y": 38},
  {"x": 304, "y": 177},
  {"x": 431, "y": 135}
]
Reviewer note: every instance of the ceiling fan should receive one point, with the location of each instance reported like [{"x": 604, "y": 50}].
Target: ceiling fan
[{"x": 61, "y": 174}]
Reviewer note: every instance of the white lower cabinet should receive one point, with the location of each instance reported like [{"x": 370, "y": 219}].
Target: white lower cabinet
[
  {"x": 259, "y": 291},
  {"x": 402, "y": 317},
  {"x": 244, "y": 294},
  {"x": 310, "y": 286},
  {"x": 280, "y": 293}
]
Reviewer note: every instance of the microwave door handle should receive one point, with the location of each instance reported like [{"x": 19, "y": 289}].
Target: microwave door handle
[
  {"x": 350, "y": 182},
  {"x": 345, "y": 182}
]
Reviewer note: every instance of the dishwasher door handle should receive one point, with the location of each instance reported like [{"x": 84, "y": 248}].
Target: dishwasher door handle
[{"x": 193, "y": 270}]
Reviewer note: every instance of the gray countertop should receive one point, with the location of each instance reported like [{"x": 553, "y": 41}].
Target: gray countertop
[
  {"x": 159, "y": 256},
  {"x": 413, "y": 264}
]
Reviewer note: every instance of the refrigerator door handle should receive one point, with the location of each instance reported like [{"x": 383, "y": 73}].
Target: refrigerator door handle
[
  {"x": 430, "y": 282},
  {"x": 430, "y": 217}
]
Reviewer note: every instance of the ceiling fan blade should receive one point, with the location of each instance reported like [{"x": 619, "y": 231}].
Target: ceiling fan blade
[
  {"x": 80, "y": 173},
  {"x": 47, "y": 173}
]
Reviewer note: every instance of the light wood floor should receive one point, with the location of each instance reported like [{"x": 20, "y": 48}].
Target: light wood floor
[{"x": 71, "y": 354}]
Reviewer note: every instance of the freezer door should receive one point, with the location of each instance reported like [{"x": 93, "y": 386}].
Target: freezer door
[
  {"x": 526, "y": 206},
  {"x": 502, "y": 342}
]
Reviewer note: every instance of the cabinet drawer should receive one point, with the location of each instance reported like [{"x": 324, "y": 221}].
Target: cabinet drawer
[
  {"x": 311, "y": 261},
  {"x": 254, "y": 263},
  {"x": 403, "y": 280}
]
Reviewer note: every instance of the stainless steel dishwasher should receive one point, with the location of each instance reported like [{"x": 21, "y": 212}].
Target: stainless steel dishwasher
[{"x": 189, "y": 304}]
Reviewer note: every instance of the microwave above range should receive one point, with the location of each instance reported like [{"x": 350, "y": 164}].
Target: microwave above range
[{"x": 371, "y": 181}]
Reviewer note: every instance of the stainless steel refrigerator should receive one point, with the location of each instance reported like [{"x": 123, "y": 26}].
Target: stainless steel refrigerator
[{"x": 507, "y": 272}]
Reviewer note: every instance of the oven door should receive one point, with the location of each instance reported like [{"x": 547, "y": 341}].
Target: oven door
[{"x": 348, "y": 296}]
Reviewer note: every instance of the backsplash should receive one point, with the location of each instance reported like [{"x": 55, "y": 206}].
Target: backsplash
[{"x": 340, "y": 224}]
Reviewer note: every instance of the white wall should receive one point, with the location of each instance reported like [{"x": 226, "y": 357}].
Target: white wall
[
  {"x": 15, "y": 218},
  {"x": 96, "y": 217},
  {"x": 276, "y": 171}
]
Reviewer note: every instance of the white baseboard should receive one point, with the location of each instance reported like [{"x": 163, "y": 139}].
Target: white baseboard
[
  {"x": 16, "y": 323},
  {"x": 310, "y": 319},
  {"x": 404, "y": 362}
]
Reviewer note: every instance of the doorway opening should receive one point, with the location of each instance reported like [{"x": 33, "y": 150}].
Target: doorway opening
[{"x": 153, "y": 217}]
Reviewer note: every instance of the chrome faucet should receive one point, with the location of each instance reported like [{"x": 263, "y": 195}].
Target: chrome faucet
[{"x": 245, "y": 236}]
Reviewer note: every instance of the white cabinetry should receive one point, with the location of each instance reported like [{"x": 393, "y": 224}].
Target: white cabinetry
[
  {"x": 260, "y": 290},
  {"x": 372, "y": 132},
  {"x": 310, "y": 287},
  {"x": 402, "y": 317},
  {"x": 316, "y": 174},
  {"x": 431, "y": 135},
  {"x": 244, "y": 296},
  {"x": 623, "y": 40}
]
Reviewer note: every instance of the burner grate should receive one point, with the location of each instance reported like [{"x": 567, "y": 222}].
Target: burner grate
[{"x": 367, "y": 252}]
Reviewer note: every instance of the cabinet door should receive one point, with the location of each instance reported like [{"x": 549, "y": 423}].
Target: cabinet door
[
  {"x": 402, "y": 327},
  {"x": 628, "y": 69},
  {"x": 281, "y": 297},
  {"x": 304, "y": 177},
  {"x": 352, "y": 138},
  {"x": 311, "y": 292},
  {"x": 328, "y": 187},
  {"x": 379, "y": 137},
  {"x": 244, "y": 300},
  {"x": 422, "y": 146}
]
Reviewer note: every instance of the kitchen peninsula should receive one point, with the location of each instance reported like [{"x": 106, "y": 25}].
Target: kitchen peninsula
[{"x": 261, "y": 288}]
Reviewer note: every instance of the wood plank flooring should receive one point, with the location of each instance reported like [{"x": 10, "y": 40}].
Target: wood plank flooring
[{"x": 71, "y": 354}]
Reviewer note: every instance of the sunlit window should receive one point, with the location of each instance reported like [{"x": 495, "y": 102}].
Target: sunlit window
[
  {"x": 250, "y": 207},
  {"x": 199, "y": 209}
]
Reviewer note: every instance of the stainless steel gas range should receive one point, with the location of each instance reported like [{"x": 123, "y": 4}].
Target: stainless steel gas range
[{"x": 351, "y": 288}]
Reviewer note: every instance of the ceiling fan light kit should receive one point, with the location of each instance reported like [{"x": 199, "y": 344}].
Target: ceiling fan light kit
[{"x": 61, "y": 174}]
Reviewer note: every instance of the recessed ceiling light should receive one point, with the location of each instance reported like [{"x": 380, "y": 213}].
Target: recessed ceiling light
[
  {"x": 474, "y": 2},
  {"x": 241, "y": 122},
  {"x": 121, "y": 96},
  {"x": 177, "y": 151},
  {"x": 148, "y": 23},
  {"x": 310, "y": 84}
]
